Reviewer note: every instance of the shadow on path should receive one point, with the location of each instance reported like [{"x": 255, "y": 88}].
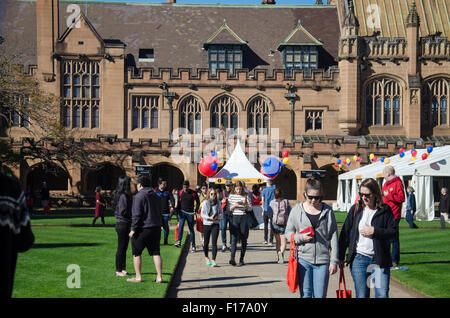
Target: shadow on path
[{"x": 52, "y": 245}]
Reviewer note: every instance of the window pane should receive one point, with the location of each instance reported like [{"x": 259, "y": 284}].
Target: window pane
[
  {"x": 215, "y": 121},
  {"x": 15, "y": 118},
  {"x": 76, "y": 79},
  {"x": 213, "y": 67},
  {"x": 258, "y": 123},
  {"x": 66, "y": 79},
  {"x": 297, "y": 58},
  {"x": 85, "y": 80},
  {"x": 85, "y": 91},
  {"x": 387, "y": 112},
  {"x": 224, "y": 120},
  {"x": 369, "y": 109},
  {"x": 221, "y": 56},
  {"x": 289, "y": 58},
  {"x": 198, "y": 124},
  {"x": 191, "y": 123},
  {"x": 135, "y": 118},
  {"x": 145, "y": 118},
  {"x": 67, "y": 91},
  {"x": 85, "y": 117},
  {"x": 154, "y": 122},
  {"x": 234, "y": 121},
  {"x": 313, "y": 58},
  {"x": 237, "y": 57},
  {"x": 213, "y": 57},
  {"x": 76, "y": 91},
  {"x": 229, "y": 56},
  {"x": 95, "y": 80},
  {"x": 443, "y": 111},
  {"x": 396, "y": 111},
  {"x": 66, "y": 117},
  {"x": 309, "y": 124},
  {"x": 76, "y": 117},
  {"x": 378, "y": 111},
  {"x": 95, "y": 92},
  {"x": 95, "y": 117},
  {"x": 251, "y": 119},
  {"x": 318, "y": 123}
]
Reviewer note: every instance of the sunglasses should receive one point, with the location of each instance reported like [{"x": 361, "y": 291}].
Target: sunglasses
[
  {"x": 367, "y": 195},
  {"x": 314, "y": 197}
]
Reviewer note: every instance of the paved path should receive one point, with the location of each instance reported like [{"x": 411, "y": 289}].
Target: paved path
[{"x": 261, "y": 277}]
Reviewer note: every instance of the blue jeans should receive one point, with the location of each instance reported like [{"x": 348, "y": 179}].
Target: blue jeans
[
  {"x": 225, "y": 222},
  {"x": 410, "y": 219},
  {"x": 313, "y": 279},
  {"x": 183, "y": 216},
  {"x": 165, "y": 226},
  {"x": 395, "y": 243},
  {"x": 366, "y": 274},
  {"x": 267, "y": 221}
]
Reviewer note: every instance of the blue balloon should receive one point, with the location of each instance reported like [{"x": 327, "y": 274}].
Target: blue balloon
[
  {"x": 213, "y": 154},
  {"x": 402, "y": 154},
  {"x": 271, "y": 166},
  {"x": 382, "y": 159},
  {"x": 214, "y": 166},
  {"x": 339, "y": 161},
  {"x": 429, "y": 149}
]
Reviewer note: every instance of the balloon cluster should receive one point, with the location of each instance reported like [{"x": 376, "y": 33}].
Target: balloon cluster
[
  {"x": 347, "y": 161},
  {"x": 271, "y": 167},
  {"x": 425, "y": 155},
  {"x": 209, "y": 165}
]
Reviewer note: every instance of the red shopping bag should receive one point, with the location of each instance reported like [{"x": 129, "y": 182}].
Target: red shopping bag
[
  {"x": 199, "y": 224},
  {"x": 343, "y": 293},
  {"x": 47, "y": 208},
  {"x": 176, "y": 232},
  {"x": 292, "y": 275}
]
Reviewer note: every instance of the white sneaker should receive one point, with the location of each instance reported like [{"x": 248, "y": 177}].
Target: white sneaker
[{"x": 280, "y": 258}]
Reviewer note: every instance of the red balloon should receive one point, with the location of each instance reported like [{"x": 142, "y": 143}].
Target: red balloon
[
  {"x": 424, "y": 156},
  {"x": 285, "y": 154},
  {"x": 336, "y": 164},
  {"x": 414, "y": 153},
  {"x": 204, "y": 167},
  {"x": 375, "y": 159},
  {"x": 401, "y": 150}
]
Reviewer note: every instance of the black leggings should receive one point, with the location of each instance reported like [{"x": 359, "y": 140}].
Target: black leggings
[
  {"x": 208, "y": 231},
  {"x": 239, "y": 229},
  {"x": 123, "y": 231}
]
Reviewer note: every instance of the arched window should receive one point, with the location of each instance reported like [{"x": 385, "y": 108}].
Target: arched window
[
  {"x": 258, "y": 116},
  {"x": 383, "y": 102},
  {"x": 85, "y": 117},
  {"x": 190, "y": 111},
  {"x": 435, "y": 105},
  {"x": 225, "y": 108}
]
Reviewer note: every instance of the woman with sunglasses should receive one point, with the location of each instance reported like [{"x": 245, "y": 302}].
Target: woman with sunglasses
[
  {"x": 367, "y": 231},
  {"x": 211, "y": 213},
  {"x": 317, "y": 248}
]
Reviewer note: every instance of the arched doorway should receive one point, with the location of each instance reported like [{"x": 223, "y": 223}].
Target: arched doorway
[
  {"x": 330, "y": 182},
  {"x": 56, "y": 178},
  {"x": 287, "y": 182},
  {"x": 172, "y": 174},
  {"x": 106, "y": 176}
]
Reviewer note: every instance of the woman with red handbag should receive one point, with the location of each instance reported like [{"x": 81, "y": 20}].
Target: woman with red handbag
[
  {"x": 315, "y": 233},
  {"x": 367, "y": 231}
]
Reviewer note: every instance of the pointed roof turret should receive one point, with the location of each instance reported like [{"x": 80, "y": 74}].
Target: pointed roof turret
[{"x": 413, "y": 17}]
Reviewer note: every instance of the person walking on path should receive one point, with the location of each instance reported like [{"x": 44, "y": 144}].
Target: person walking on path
[
  {"x": 267, "y": 195},
  {"x": 100, "y": 205},
  {"x": 202, "y": 196},
  {"x": 16, "y": 235},
  {"x": 411, "y": 208},
  {"x": 146, "y": 228},
  {"x": 281, "y": 209},
  {"x": 188, "y": 203},
  {"x": 394, "y": 196},
  {"x": 256, "y": 195},
  {"x": 166, "y": 206},
  {"x": 367, "y": 231},
  {"x": 315, "y": 262},
  {"x": 239, "y": 202},
  {"x": 45, "y": 196},
  {"x": 211, "y": 212},
  {"x": 122, "y": 202},
  {"x": 444, "y": 207},
  {"x": 227, "y": 217}
]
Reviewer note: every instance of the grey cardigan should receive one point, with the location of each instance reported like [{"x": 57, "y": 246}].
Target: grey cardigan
[{"x": 325, "y": 240}]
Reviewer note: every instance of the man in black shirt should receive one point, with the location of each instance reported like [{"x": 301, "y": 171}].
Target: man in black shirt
[
  {"x": 166, "y": 206},
  {"x": 186, "y": 201},
  {"x": 145, "y": 228}
]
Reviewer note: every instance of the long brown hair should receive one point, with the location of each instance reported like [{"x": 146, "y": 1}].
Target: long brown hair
[
  {"x": 374, "y": 188},
  {"x": 240, "y": 184}
]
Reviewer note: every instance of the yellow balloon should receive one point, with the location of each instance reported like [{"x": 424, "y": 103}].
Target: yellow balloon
[
  {"x": 371, "y": 156},
  {"x": 286, "y": 160},
  {"x": 387, "y": 160},
  {"x": 413, "y": 159},
  {"x": 355, "y": 158},
  {"x": 340, "y": 165}
]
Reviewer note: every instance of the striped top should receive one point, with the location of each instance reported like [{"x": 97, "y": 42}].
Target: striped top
[{"x": 238, "y": 199}]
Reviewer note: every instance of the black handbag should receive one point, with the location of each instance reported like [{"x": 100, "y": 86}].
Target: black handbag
[{"x": 251, "y": 219}]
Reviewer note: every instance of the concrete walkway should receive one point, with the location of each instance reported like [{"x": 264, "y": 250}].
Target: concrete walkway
[{"x": 261, "y": 277}]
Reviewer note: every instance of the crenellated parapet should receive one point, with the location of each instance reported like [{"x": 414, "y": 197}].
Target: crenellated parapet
[{"x": 435, "y": 48}]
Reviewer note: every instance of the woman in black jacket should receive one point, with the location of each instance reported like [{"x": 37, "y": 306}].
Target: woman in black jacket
[
  {"x": 444, "y": 207},
  {"x": 123, "y": 203},
  {"x": 367, "y": 230}
]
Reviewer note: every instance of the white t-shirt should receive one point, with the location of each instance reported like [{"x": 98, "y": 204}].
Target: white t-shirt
[{"x": 365, "y": 244}]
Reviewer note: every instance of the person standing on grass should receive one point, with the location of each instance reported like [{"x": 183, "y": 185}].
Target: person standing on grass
[
  {"x": 122, "y": 212},
  {"x": 394, "y": 196},
  {"x": 45, "y": 195},
  {"x": 146, "y": 228},
  {"x": 99, "y": 206},
  {"x": 240, "y": 202},
  {"x": 227, "y": 217},
  {"x": 317, "y": 250},
  {"x": 15, "y": 231},
  {"x": 166, "y": 206},
  {"x": 211, "y": 212},
  {"x": 188, "y": 203},
  {"x": 281, "y": 209},
  {"x": 444, "y": 207},
  {"x": 267, "y": 195},
  {"x": 367, "y": 231},
  {"x": 411, "y": 208}
]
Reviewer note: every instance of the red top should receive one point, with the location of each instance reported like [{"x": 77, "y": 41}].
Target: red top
[
  {"x": 395, "y": 197},
  {"x": 98, "y": 206},
  {"x": 256, "y": 199}
]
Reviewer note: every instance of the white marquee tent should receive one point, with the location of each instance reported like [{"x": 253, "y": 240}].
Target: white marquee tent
[{"x": 422, "y": 172}]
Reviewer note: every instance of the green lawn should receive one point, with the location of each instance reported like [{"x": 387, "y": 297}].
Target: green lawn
[
  {"x": 426, "y": 253},
  {"x": 67, "y": 237}
]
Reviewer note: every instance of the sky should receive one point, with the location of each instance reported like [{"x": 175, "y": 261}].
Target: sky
[{"x": 281, "y": 2}]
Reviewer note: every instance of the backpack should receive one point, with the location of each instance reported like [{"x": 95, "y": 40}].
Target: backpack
[{"x": 281, "y": 217}]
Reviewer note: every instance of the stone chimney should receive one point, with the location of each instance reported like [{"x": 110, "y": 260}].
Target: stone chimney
[{"x": 268, "y": 2}]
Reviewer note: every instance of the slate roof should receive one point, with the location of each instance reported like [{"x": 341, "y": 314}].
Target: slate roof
[{"x": 177, "y": 32}]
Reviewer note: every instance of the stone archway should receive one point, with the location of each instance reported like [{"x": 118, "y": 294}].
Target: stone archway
[
  {"x": 56, "y": 178},
  {"x": 172, "y": 174},
  {"x": 107, "y": 177},
  {"x": 287, "y": 182},
  {"x": 330, "y": 182}
]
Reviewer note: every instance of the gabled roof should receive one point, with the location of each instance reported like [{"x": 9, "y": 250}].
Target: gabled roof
[
  {"x": 82, "y": 17},
  {"x": 224, "y": 35},
  {"x": 299, "y": 36}
]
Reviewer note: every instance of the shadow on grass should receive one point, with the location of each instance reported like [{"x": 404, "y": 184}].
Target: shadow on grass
[
  {"x": 231, "y": 285},
  {"x": 90, "y": 225},
  {"x": 431, "y": 262},
  {"x": 412, "y": 253},
  {"x": 53, "y": 245}
]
